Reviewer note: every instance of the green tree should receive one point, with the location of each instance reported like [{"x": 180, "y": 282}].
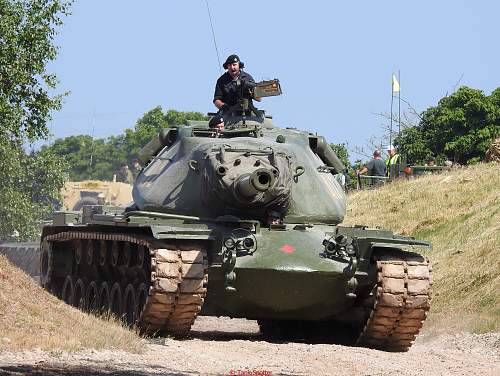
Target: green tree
[
  {"x": 27, "y": 30},
  {"x": 101, "y": 158},
  {"x": 76, "y": 150},
  {"x": 342, "y": 153},
  {"x": 460, "y": 128},
  {"x": 89, "y": 158},
  {"x": 151, "y": 123},
  {"x": 29, "y": 183},
  {"x": 29, "y": 188}
]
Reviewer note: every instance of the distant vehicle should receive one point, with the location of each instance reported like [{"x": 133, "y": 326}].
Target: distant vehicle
[{"x": 95, "y": 192}]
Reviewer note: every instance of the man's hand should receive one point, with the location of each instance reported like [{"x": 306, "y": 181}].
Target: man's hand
[
  {"x": 218, "y": 103},
  {"x": 364, "y": 170}
]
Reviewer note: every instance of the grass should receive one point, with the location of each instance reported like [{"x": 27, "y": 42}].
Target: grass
[
  {"x": 30, "y": 318},
  {"x": 459, "y": 212}
]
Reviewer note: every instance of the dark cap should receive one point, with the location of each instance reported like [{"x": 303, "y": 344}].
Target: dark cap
[{"x": 233, "y": 59}]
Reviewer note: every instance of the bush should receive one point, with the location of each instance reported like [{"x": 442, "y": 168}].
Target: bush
[{"x": 460, "y": 128}]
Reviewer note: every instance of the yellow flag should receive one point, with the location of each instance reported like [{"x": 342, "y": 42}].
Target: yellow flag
[{"x": 395, "y": 84}]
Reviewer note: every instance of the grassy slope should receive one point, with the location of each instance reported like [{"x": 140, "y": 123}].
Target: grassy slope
[
  {"x": 459, "y": 212},
  {"x": 32, "y": 318}
]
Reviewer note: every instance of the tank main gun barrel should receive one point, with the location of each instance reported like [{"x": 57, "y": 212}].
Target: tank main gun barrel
[
  {"x": 165, "y": 137},
  {"x": 322, "y": 148},
  {"x": 249, "y": 185}
]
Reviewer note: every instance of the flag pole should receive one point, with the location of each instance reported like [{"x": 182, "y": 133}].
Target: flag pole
[
  {"x": 399, "y": 104},
  {"x": 392, "y": 100}
]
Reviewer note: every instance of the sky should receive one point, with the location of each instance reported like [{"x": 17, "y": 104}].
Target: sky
[{"x": 120, "y": 58}]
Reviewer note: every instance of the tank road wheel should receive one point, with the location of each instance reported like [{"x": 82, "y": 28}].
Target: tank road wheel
[
  {"x": 129, "y": 305},
  {"x": 127, "y": 254},
  {"x": 115, "y": 253},
  {"x": 68, "y": 290},
  {"x": 141, "y": 255},
  {"x": 116, "y": 299},
  {"x": 141, "y": 296},
  {"x": 103, "y": 248},
  {"x": 80, "y": 293},
  {"x": 91, "y": 252},
  {"x": 46, "y": 264},
  {"x": 177, "y": 293},
  {"x": 104, "y": 298},
  {"x": 401, "y": 301},
  {"x": 92, "y": 297},
  {"x": 79, "y": 251}
]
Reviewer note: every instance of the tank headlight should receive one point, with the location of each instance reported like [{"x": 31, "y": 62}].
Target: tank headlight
[
  {"x": 329, "y": 246},
  {"x": 229, "y": 243},
  {"x": 248, "y": 243},
  {"x": 341, "y": 240}
]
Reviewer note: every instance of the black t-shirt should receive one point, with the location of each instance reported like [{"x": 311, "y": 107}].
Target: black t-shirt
[
  {"x": 376, "y": 167},
  {"x": 226, "y": 89}
]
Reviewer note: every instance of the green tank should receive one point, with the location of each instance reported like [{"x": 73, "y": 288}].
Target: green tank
[{"x": 240, "y": 222}]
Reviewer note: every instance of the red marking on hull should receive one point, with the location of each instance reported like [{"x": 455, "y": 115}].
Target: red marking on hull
[{"x": 287, "y": 248}]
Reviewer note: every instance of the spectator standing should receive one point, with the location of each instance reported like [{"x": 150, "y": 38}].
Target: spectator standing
[
  {"x": 376, "y": 167},
  {"x": 392, "y": 162},
  {"x": 124, "y": 175},
  {"x": 136, "y": 168}
]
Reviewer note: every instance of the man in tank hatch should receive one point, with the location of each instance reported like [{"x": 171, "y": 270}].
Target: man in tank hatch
[{"x": 227, "y": 86}]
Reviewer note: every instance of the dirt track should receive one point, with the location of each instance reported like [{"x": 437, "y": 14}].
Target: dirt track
[{"x": 221, "y": 346}]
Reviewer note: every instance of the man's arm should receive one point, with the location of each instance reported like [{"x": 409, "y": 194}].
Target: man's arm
[
  {"x": 364, "y": 170},
  {"x": 218, "y": 96}
]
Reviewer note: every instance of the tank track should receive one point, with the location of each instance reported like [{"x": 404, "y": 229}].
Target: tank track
[
  {"x": 158, "y": 287},
  {"x": 399, "y": 303}
]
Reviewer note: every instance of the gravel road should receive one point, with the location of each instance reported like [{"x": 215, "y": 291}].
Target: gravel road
[{"x": 234, "y": 347}]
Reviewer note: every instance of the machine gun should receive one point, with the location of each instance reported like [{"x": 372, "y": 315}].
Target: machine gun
[
  {"x": 269, "y": 88},
  {"x": 250, "y": 90}
]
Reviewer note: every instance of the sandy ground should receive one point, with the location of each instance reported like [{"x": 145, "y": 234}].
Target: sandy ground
[{"x": 234, "y": 347}]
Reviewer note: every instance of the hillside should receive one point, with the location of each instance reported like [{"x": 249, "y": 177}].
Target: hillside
[
  {"x": 459, "y": 212},
  {"x": 32, "y": 318}
]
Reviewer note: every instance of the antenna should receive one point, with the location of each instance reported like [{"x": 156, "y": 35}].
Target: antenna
[
  {"x": 213, "y": 36},
  {"x": 92, "y": 145}
]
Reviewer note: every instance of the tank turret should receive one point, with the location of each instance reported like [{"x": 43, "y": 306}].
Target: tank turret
[{"x": 248, "y": 170}]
